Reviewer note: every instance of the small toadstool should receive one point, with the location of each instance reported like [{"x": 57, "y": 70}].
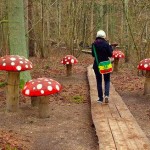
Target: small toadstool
[
  {"x": 145, "y": 65},
  {"x": 117, "y": 55},
  {"x": 68, "y": 61},
  {"x": 114, "y": 45},
  {"x": 42, "y": 87},
  {"x": 13, "y": 64}
]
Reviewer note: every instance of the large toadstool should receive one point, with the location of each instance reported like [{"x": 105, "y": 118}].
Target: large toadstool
[
  {"x": 68, "y": 61},
  {"x": 145, "y": 65},
  {"x": 13, "y": 64},
  {"x": 41, "y": 88},
  {"x": 117, "y": 55}
]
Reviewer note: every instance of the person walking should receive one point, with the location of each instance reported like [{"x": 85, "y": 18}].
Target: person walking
[{"x": 103, "y": 51}]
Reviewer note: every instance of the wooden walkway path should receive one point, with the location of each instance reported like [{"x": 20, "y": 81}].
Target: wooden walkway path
[{"x": 115, "y": 126}]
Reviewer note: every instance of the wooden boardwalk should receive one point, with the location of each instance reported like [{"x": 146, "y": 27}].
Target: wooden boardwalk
[{"x": 115, "y": 126}]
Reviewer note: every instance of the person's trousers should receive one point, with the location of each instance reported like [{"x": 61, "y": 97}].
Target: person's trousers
[{"x": 99, "y": 84}]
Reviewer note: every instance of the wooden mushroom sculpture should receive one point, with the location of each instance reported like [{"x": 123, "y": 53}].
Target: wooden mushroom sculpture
[
  {"x": 42, "y": 87},
  {"x": 68, "y": 61},
  {"x": 13, "y": 64},
  {"x": 114, "y": 45},
  {"x": 145, "y": 65},
  {"x": 117, "y": 55}
]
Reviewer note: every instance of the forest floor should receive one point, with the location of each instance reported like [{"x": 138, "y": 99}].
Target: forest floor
[{"x": 70, "y": 125}]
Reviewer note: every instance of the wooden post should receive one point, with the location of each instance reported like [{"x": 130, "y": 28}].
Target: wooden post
[
  {"x": 44, "y": 106},
  {"x": 116, "y": 61},
  {"x": 12, "y": 91},
  {"x": 69, "y": 69},
  {"x": 147, "y": 83},
  {"x": 35, "y": 101}
]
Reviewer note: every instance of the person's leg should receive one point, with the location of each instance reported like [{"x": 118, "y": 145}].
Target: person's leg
[
  {"x": 99, "y": 84},
  {"x": 107, "y": 86}
]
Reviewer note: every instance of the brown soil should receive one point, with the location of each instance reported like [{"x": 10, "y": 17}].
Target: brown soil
[{"x": 70, "y": 125}]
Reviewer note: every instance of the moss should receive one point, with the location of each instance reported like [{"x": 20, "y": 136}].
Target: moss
[{"x": 77, "y": 99}]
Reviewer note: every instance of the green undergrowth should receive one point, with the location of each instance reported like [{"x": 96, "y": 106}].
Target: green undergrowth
[
  {"x": 2, "y": 84},
  {"x": 77, "y": 99}
]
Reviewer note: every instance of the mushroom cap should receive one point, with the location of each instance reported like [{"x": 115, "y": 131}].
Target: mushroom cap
[
  {"x": 114, "y": 44},
  {"x": 118, "y": 54},
  {"x": 69, "y": 59},
  {"x": 144, "y": 64},
  {"x": 15, "y": 63},
  {"x": 41, "y": 87}
]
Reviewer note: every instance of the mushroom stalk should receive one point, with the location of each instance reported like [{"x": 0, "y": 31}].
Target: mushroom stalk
[
  {"x": 34, "y": 101},
  {"x": 69, "y": 69},
  {"x": 43, "y": 106},
  {"x": 116, "y": 62},
  {"x": 12, "y": 91},
  {"x": 147, "y": 83}
]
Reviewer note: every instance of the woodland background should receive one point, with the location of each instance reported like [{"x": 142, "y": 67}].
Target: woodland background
[
  {"x": 73, "y": 24},
  {"x": 46, "y": 30}
]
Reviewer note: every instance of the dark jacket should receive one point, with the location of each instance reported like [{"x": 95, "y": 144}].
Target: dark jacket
[{"x": 103, "y": 51}]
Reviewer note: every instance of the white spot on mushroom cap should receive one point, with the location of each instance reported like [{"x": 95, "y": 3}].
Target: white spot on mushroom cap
[
  {"x": 50, "y": 88},
  {"x": 146, "y": 65},
  {"x": 57, "y": 87},
  {"x": 12, "y": 63},
  {"x": 18, "y": 68},
  {"x": 42, "y": 91},
  {"x": 12, "y": 59},
  {"x": 4, "y": 64},
  {"x": 39, "y": 86},
  {"x": 72, "y": 60},
  {"x": 27, "y": 92}
]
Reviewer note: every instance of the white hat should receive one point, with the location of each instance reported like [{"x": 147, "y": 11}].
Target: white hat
[{"x": 101, "y": 34}]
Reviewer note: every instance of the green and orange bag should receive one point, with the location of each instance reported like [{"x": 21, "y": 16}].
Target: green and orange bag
[{"x": 104, "y": 66}]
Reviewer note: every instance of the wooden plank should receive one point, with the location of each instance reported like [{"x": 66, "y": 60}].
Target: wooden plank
[
  {"x": 106, "y": 111},
  {"x": 141, "y": 140},
  {"x": 97, "y": 112},
  {"x": 114, "y": 111},
  {"x": 122, "y": 108},
  {"x": 128, "y": 135},
  {"x": 106, "y": 141},
  {"x": 117, "y": 135}
]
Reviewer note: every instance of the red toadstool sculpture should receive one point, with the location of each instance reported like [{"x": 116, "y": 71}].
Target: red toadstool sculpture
[
  {"x": 68, "y": 61},
  {"x": 117, "y": 55},
  {"x": 145, "y": 65},
  {"x": 42, "y": 87},
  {"x": 13, "y": 64},
  {"x": 114, "y": 45}
]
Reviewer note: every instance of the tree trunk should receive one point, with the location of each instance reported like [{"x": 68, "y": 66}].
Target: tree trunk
[
  {"x": 43, "y": 106},
  {"x": 92, "y": 18},
  {"x": 16, "y": 27},
  {"x": 147, "y": 83},
  {"x": 12, "y": 92},
  {"x": 31, "y": 31}
]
